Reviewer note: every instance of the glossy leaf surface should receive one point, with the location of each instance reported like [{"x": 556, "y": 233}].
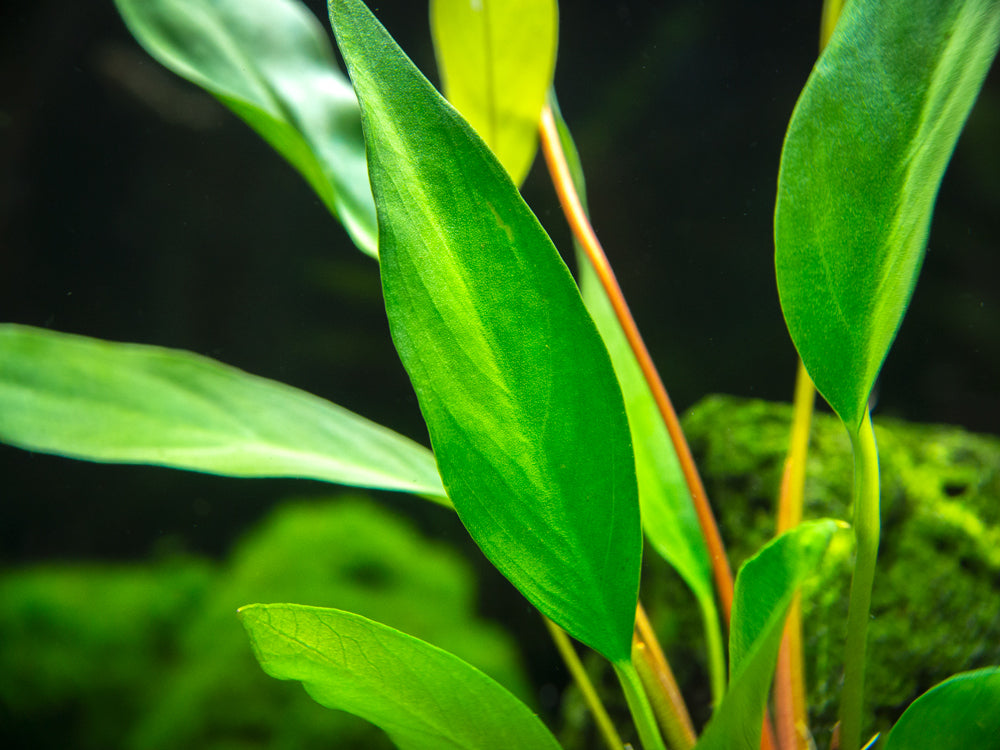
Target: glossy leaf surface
[
  {"x": 765, "y": 586},
  {"x": 125, "y": 403},
  {"x": 520, "y": 398},
  {"x": 864, "y": 155},
  {"x": 962, "y": 712},
  {"x": 271, "y": 62},
  {"x": 422, "y": 697},
  {"x": 496, "y": 59}
]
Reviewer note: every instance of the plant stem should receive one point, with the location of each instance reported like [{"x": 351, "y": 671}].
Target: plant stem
[
  {"x": 866, "y": 534},
  {"x": 584, "y": 234},
  {"x": 716, "y": 649},
  {"x": 660, "y": 685},
  {"x": 639, "y": 707},
  {"x": 791, "y": 718},
  {"x": 590, "y": 696}
]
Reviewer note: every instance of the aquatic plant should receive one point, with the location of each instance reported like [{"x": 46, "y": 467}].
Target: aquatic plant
[{"x": 553, "y": 438}]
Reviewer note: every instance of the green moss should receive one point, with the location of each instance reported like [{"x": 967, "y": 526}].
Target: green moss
[
  {"x": 154, "y": 656},
  {"x": 936, "y": 601}
]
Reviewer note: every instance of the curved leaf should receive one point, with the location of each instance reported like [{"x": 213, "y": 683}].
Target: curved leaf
[
  {"x": 864, "y": 155},
  {"x": 496, "y": 59},
  {"x": 520, "y": 398},
  {"x": 422, "y": 697},
  {"x": 126, "y": 403},
  {"x": 272, "y": 64},
  {"x": 765, "y": 587},
  {"x": 962, "y": 712}
]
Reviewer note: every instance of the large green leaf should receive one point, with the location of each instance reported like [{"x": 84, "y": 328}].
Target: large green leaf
[
  {"x": 125, "y": 403},
  {"x": 765, "y": 586},
  {"x": 865, "y": 152},
  {"x": 961, "y": 713},
  {"x": 520, "y": 398},
  {"x": 496, "y": 59},
  {"x": 424, "y": 698},
  {"x": 272, "y": 64}
]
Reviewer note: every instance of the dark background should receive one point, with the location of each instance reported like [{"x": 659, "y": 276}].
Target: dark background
[{"x": 133, "y": 207}]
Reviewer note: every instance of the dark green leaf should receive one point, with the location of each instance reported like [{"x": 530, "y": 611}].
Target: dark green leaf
[
  {"x": 765, "y": 586},
  {"x": 424, "y": 698},
  {"x": 496, "y": 59},
  {"x": 519, "y": 395},
  {"x": 864, "y": 155},
  {"x": 125, "y": 403},
  {"x": 271, "y": 63},
  {"x": 962, "y": 713}
]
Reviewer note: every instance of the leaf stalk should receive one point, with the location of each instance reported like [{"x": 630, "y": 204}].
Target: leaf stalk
[
  {"x": 661, "y": 685},
  {"x": 639, "y": 705},
  {"x": 866, "y": 534},
  {"x": 791, "y": 717},
  {"x": 590, "y": 696}
]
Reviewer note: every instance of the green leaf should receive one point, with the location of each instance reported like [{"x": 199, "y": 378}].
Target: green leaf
[
  {"x": 496, "y": 59},
  {"x": 962, "y": 712},
  {"x": 424, "y": 698},
  {"x": 864, "y": 155},
  {"x": 125, "y": 403},
  {"x": 271, "y": 63},
  {"x": 765, "y": 586},
  {"x": 520, "y": 398}
]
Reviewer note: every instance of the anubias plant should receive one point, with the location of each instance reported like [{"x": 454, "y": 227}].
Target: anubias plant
[{"x": 552, "y": 436}]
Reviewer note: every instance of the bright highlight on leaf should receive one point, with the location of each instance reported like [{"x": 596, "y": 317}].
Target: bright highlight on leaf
[
  {"x": 765, "y": 586},
  {"x": 422, "y": 697},
  {"x": 864, "y": 155},
  {"x": 271, "y": 63},
  {"x": 497, "y": 59},
  {"x": 126, "y": 403},
  {"x": 520, "y": 398}
]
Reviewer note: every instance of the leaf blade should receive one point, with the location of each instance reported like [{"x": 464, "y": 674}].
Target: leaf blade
[
  {"x": 497, "y": 59},
  {"x": 423, "y": 697},
  {"x": 961, "y": 712},
  {"x": 271, "y": 63},
  {"x": 515, "y": 385},
  {"x": 864, "y": 156},
  {"x": 126, "y": 403},
  {"x": 765, "y": 587}
]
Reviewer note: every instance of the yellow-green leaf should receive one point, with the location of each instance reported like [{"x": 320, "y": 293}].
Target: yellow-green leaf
[
  {"x": 127, "y": 403},
  {"x": 422, "y": 697},
  {"x": 496, "y": 59}
]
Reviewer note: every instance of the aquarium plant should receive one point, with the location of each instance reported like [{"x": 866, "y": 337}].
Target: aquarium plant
[{"x": 552, "y": 436}]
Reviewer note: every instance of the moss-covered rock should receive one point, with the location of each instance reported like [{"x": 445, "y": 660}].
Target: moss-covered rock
[
  {"x": 153, "y": 656},
  {"x": 936, "y": 600}
]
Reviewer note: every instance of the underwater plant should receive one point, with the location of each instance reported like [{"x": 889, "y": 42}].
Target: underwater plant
[{"x": 552, "y": 436}]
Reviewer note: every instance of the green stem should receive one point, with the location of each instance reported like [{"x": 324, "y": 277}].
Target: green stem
[
  {"x": 866, "y": 534},
  {"x": 590, "y": 696},
  {"x": 639, "y": 706},
  {"x": 714, "y": 646}
]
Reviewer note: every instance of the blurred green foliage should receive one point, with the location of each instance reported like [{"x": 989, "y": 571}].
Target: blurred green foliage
[
  {"x": 153, "y": 656},
  {"x": 936, "y": 601}
]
